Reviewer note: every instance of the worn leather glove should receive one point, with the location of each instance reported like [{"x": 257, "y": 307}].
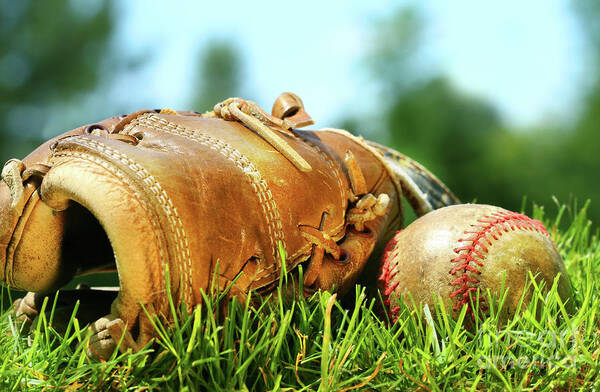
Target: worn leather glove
[{"x": 179, "y": 197}]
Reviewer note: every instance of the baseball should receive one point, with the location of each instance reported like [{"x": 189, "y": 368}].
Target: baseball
[{"x": 459, "y": 252}]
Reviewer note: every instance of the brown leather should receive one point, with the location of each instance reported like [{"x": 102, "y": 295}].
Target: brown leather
[
  {"x": 197, "y": 195},
  {"x": 289, "y": 107},
  {"x": 8, "y": 219}
]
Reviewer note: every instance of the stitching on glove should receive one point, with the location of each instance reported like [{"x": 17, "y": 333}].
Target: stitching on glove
[
  {"x": 334, "y": 168},
  {"x": 163, "y": 199},
  {"x": 151, "y": 120},
  {"x": 251, "y": 115},
  {"x": 159, "y": 296},
  {"x": 254, "y": 177}
]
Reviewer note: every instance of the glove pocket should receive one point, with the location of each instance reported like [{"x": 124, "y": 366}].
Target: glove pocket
[{"x": 107, "y": 223}]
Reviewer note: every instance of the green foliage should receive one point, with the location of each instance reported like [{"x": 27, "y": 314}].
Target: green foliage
[
  {"x": 219, "y": 74},
  {"x": 588, "y": 13},
  {"x": 466, "y": 142},
  {"x": 53, "y": 46},
  {"x": 50, "y": 54},
  {"x": 444, "y": 130},
  {"x": 316, "y": 344},
  {"x": 392, "y": 57}
]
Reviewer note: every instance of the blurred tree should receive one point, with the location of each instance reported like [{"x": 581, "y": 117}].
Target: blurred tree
[
  {"x": 394, "y": 53},
  {"x": 463, "y": 139},
  {"x": 50, "y": 54},
  {"x": 423, "y": 115},
  {"x": 557, "y": 160},
  {"x": 579, "y": 166},
  {"x": 443, "y": 129},
  {"x": 588, "y": 14},
  {"x": 219, "y": 74}
]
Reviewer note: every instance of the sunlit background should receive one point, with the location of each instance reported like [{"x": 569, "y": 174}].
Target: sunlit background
[{"x": 500, "y": 101}]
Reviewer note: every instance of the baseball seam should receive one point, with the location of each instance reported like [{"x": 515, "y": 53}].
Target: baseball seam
[
  {"x": 472, "y": 254},
  {"x": 388, "y": 272}
]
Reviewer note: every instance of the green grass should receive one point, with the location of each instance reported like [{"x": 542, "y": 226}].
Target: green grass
[{"x": 316, "y": 344}]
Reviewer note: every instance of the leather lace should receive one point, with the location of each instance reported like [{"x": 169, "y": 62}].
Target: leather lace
[
  {"x": 366, "y": 208},
  {"x": 251, "y": 115}
]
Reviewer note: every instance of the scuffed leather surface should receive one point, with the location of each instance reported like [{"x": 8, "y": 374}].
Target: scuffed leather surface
[
  {"x": 201, "y": 196},
  {"x": 8, "y": 221}
]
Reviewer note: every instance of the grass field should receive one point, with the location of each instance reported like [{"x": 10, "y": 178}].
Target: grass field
[{"x": 316, "y": 344}]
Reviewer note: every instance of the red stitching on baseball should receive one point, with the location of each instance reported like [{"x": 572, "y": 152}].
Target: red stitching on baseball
[
  {"x": 387, "y": 274},
  {"x": 475, "y": 251}
]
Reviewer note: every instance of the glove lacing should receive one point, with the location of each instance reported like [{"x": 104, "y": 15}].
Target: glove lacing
[
  {"x": 251, "y": 115},
  {"x": 366, "y": 208},
  {"x": 14, "y": 174}
]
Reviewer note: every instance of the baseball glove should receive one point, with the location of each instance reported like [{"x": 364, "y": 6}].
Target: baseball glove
[{"x": 171, "y": 197}]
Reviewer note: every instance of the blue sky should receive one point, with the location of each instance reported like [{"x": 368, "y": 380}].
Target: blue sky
[{"x": 525, "y": 56}]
